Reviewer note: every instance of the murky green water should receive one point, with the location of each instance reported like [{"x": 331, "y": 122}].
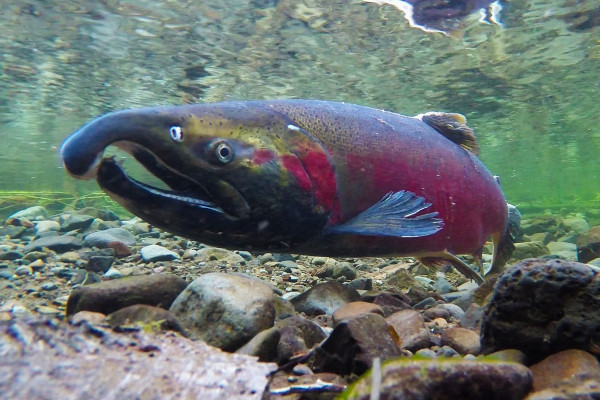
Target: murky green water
[{"x": 531, "y": 89}]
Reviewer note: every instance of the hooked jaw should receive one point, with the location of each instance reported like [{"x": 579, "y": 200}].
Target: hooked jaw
[{"x": 134, "y": 131}]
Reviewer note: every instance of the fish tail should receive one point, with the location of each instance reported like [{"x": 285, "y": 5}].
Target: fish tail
[{"x": 504, "y": 245}]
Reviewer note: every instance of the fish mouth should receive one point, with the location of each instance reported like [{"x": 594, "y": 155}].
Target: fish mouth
[{"x": 213, "y": 196}]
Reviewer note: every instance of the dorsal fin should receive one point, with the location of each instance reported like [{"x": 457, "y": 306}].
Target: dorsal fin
[{"x": 454, "y": 127}]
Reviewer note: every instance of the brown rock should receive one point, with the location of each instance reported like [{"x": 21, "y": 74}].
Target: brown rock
[
  {"x": 436, "y": 312},
  {"x": 464, "y": 341},
  {"x": 411, "y": 329},
  {"x": 109, "y": 296},
  {"x": 563, "y": 366},
  {"x": 354, "y": 309},
  {"x": 297, "y": 335}
]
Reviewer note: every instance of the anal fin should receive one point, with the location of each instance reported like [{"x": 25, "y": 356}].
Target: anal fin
[
  {"x": 393, "y": 215},
  {"x": 444, "y": 257}
]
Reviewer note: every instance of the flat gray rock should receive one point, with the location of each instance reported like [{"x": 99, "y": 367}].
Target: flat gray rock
[
  {"x": 46, "y": 359},
  {"x": 57, "y": 243}
]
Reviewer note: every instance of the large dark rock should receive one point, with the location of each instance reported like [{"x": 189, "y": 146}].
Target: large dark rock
[
  {"x": 354, "y": 344},
  {"x": 110, "y": 296},
  {"x": 324, "y": 298},
  {"x": 541, "y": 307},
  {"x": 449, "y": 379}
]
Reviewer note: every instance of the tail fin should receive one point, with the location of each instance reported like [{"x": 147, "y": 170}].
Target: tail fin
[{"x": 505, "y": 244}]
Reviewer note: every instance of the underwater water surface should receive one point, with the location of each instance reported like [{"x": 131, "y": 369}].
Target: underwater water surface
[{"x": 530, "y": 87}]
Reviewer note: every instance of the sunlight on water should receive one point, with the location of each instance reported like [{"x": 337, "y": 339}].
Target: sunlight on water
[{"x": 530, "y": 89}]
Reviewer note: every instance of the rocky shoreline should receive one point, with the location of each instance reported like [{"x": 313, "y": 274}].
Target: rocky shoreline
[{"x": 91, "y": 304}]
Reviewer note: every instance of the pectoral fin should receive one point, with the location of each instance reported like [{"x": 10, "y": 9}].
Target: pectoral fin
[{"x": 392, "y": 216}]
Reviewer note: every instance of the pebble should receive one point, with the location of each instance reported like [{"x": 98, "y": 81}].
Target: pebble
[
  {"x": 23, "y": 270},
  {"x": 564, "y": 366},
  {"x": 436, "y": 313},
  {"x": 354, "y": 309},
  {"x": 426, "y": 303},
  {"x": 410, "y": 328},
  {"x": 566, "y": 251},
  {"x": 112, "y": 274},
  {"x": 30, "y": 213},
  {"x": 7, "y": 274},
  {"x": 102, "y": 239},
  {"x": 324, "y": 298},
  {"x": 99, "y": 264},
  {"x": 37, "y": 265},
  {"x": 155, "y": 253},
  {"x": 11, "y": 255},
  {"x": 150, "y": 318},
  {"x": 464, "y": 341},
  {"x": 75, "y": 222},
  {"x": 46, "y": 226},
  {"x": 57, "y": 243},
  {"x": 69, "y": 257},
  {"x": 49, "y": 286},
  {"x": 218, "y": 254}
]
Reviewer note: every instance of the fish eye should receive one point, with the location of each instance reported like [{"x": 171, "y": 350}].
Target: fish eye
[
  {"x": 222, "y": 152},
  {"x": 176, "y": 133}
]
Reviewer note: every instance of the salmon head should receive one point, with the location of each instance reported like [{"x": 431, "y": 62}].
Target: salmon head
[{"x": 236, "y": 173}]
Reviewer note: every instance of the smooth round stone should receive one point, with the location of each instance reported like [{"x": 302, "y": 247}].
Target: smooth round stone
[
  {"x": 23, "y": 270},
  {"x": 324, "y": 298},
  {"x": 563, "y": 366},
  {"x": 112, "y": 274},
  {"x": 464, "y": 341},
  {"x": 225, "y": 310},
  {"x": 102, "y": 239},
  {"x": 436, "y": 312},
  {"x": 49, "y": 286},
  {"x": 454, "y": 310},
  {"x": 215, "y": 253},
  {"x": 7, "y": 274},
  {"x": 155, "y": 253}
]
